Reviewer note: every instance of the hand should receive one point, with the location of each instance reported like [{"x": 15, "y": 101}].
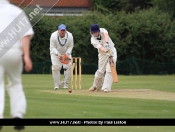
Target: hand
[
  {"x": 66, "y": 59},
  {"x": 107, "y": 46},
  {"x": 28, "y": 63},
  {"x": 60, "y": 56},
  {"x": 103, "y": 49},
  {"x": 112, "y": 53},
  {"x": 111, "y": 59}
]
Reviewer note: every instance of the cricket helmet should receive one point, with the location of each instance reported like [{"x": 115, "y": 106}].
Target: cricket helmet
[{"x": 95, "y": 28}]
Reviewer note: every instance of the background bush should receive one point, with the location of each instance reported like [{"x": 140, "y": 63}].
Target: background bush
[{"x": 145, "y": 34}]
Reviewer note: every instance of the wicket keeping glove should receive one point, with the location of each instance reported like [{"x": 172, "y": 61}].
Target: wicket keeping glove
[{"x": 64, "y": 59}]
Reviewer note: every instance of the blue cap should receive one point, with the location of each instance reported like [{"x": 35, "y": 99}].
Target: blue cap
[
  {"x": 95, "y": 28},
  {"x": 62, "y": 27}
]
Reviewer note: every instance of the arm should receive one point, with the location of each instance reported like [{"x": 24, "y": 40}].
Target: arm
[
  {"x": 26, "y": 53},
  {"x": 97, "y": 45},
  {"x": 115, "y": 54},
  {"x": 106, "y": 35},
  {"x": 53, "y": 48},
  {"x": 71, "y": 45},
  {"x": 108, "y": 44}
]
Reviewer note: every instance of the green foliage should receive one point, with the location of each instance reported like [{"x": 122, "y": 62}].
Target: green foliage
[
  {"x": 145, "y": 34},
  {"x": 166, "y": 5},
  {"x": 41, "y": 40},
  {"x": 121, "y": 5}
]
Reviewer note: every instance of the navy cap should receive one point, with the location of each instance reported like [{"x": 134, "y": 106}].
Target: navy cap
[
  {"x": 95, "y": 28},
  {"x": 62, "y": 27}
]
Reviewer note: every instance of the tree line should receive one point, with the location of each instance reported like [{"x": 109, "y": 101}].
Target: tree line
[{"x": 147, "y": 34}]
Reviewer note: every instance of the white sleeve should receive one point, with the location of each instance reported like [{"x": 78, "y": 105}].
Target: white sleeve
[
  {"x": 115, "y": 54},
  {"x": 95, "y": 43},
  {"x": 28, "y": 27},
  {"x": 71, "y": 44},
  {"x": 53, "y": 49},
  {"x": 30, "y": 32},
  {"x": 103, "y": 30}
]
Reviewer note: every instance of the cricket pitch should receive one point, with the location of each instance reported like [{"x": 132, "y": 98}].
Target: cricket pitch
[{"x": 121, "y": 93}]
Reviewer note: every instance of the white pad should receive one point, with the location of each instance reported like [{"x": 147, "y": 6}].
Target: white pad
[
  {"x": 56, "y": 75},
  {"x": 98, "y": 80},
  {"x": 107, "y": 81},
  {"x": 66, "y": 75}
]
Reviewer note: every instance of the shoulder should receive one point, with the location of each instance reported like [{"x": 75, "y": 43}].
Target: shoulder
[
  {"x": 92, "y": 37},
  {"x": 54, "y": 33},
  {"x": 103, "y": 30},
  {"x": 12, "y": 10},
  {"x": 69, "y": 33},
  {"x": 16, "y": 10}
]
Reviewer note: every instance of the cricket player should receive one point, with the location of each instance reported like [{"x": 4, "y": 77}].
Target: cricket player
[
  {"x": 61, "y": 45},
  {"x": 11, "y": 64},
  {"x": 101, "y": 40},
  {"x": 108, "y": 80}
]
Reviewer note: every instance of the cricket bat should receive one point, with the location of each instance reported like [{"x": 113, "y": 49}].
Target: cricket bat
[{"x": 113, "y": 71}]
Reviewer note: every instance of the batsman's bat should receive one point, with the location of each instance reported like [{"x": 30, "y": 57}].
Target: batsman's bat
[{"x": 113, "y": 70}]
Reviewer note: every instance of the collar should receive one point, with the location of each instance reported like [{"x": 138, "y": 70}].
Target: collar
[
  {"x": 62, "y": 44},
  {"x": 99, "y": 37}
]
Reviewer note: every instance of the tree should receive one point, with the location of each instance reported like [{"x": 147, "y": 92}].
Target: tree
[
  {"x": 121, "y": 5},
  {"x": 166, "y": 5}
]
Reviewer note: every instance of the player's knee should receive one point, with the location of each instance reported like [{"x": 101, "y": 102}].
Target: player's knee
[
  {"x": 55, "y": 67},
  {"x": 99, "y": 74}
]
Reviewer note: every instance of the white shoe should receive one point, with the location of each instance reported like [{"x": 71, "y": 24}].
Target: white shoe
[
  {"x": 106, "y": 90},
  {"x": 92, "y": 88},
  {"x": 65, "y": 85},
  {"x": 56, "y": 88}
]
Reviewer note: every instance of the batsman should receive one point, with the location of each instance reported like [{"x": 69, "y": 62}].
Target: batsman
[
  {"x": 107, "y": 53},
  {"x": 61, "y": 45}
]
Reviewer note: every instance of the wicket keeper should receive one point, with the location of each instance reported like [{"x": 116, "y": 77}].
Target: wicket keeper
[{"x": 61, "y": 45}]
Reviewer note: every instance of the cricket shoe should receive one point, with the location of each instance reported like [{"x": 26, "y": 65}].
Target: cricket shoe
[
  {"x": 106, "y": 90},
  {"x": 92, "y": 88},
  {"x": 18, "y": 127},
  {"x": 65, "y": 85},
  {"x": 56, "y": 88}
]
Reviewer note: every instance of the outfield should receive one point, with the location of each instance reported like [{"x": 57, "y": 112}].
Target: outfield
[{"x": 132, "y": 97}]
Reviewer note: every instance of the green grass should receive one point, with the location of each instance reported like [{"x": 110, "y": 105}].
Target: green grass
[{"x": 61, "y": 104}]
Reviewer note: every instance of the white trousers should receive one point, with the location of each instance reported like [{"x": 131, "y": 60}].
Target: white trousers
[
  {"x": 11, "y": 65},
  {"x": 102, "y": 62},
  {"x": 108, "y": 80},
  {"x": 99, "y": 74},
  {"x": 56, "y": 67}
]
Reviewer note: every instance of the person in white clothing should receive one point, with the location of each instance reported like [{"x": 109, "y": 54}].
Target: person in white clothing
[
  {"x": 61, "y": 45},
  {"x": 100, "y": 39},
  {"x": 107, "y": 84},
  {"x": 12, "y": 54}
]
